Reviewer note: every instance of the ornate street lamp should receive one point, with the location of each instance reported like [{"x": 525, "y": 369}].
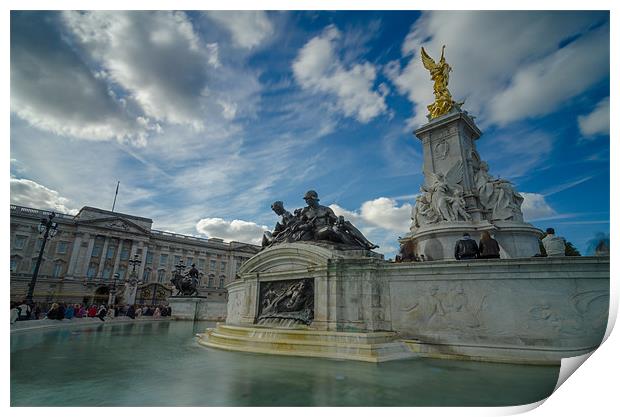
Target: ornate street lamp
[
  {"x": 131, "y": 283},
  {"x": 112, "y": 298},
  {"x": 134, "y": 262},
  {"x": 180, "y": 267},
  {"x": 49, "y": 229}
]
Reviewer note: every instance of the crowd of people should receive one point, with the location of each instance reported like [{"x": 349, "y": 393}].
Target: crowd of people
[{"x": 67, "y": 311}]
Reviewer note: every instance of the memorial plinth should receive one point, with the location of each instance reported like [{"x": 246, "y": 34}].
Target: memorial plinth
[
  {"x": 459, "y": 195},
  {"x": 196, "y": 308}
]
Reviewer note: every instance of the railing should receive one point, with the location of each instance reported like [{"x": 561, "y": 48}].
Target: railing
[
  {"x": 31, "y": 212},
  {"x": 185, "y": 237}
]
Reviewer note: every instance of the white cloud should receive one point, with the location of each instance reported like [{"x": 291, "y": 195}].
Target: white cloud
[
  {"x": 597, "y": 122},
  {"x": 381, "y": 220},
  {"x": 507, "y": 65},
  {"x": 53, "y": 90},
  {"x": 318, "y": 68},
  {"x": 247, "y": 28},
  {"x": 238, "y": 230},
  {"x": 156, "y": 56},
  {"x": 28, "y": 193},
  {"x": 535, "y": 207}
]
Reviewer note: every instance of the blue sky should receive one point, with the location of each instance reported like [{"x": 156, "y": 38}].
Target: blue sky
[{"x": 206, "y": 118}]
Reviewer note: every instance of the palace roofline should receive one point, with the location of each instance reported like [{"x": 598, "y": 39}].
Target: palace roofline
[{"x": 39, "y": 213}]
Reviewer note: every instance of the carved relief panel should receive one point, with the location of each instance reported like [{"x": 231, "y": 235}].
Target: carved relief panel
[{"x": 289, "y": 299}]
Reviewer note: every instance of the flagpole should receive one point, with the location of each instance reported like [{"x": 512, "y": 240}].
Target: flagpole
[{"x": 115, "y": 194}]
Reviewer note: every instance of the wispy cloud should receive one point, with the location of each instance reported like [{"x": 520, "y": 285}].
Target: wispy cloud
[{"x": 566, "y": 186}]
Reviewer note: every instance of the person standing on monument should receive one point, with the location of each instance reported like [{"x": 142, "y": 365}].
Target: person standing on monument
[
  {"x": 554, "y": 245},
  {"x": 466, "y": 248},
  {"x": 488, "y": 248}
]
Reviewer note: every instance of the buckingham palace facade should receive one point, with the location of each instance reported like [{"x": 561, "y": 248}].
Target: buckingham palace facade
[{"x": 95, "y": 246}]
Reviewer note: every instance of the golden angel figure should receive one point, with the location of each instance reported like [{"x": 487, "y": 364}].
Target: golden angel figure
[{"x": 440, "y": 74}]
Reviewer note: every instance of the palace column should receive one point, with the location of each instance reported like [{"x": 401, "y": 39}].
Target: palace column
[
  {"x": 117, "y": 258},
  {"x": 143, "y": 264},
  {"x": 102, "y": 257},
  {"x": 87, "y": 255},
  {"x": 77, "y": 244}
]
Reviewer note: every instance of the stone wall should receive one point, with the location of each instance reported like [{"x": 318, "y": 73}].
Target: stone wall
[{"x": 535, "y": 309}]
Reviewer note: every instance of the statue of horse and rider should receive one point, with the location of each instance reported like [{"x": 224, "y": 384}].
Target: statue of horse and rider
[{"x": 186, "y": 283}]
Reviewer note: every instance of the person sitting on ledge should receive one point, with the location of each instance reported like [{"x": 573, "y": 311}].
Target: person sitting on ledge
[
  {"x": 488, "y": 248},
  {"x": 466, "y": 248},
  {"x": 554, "y": 245}
]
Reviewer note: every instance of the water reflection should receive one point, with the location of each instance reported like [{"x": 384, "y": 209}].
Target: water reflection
[{"x": 160, "y": 364}]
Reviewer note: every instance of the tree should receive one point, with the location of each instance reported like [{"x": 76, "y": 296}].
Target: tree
[{"x": 571, "y": 250}]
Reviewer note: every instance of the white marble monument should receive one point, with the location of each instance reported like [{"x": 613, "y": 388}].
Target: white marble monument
[{"x": 459, "y": 195}]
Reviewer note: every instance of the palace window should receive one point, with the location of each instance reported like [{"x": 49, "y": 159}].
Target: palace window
[
  {"x": 223, "y": 266},
  {"x": 121, "y": 272},
  {"x": 163, "y": 259},
  {"x": 177, "y": 259},
  {"x": 107, "y": 271},
  {"x": 57, "y": 271},
  {"x": 161, "y": 274},
  {"x": 210, "y": 283},
  {"x": 222, "y": 282},
  {"x": 111, "y": 250},
  {"x": 213, "y": 265},
  {"x": 96, "y": 250},
  {"x": 61, "y": 248},
  {"x": 201, "y": 264},
  {"x": 124, "y": 253},
  {"x": 92, "y": 270},
  {"x": 13, "y": 265},
  {"x": 38, "y": 244},
  {"x": 189, "y": 261},
  {"x": 149, "y": 258},
  {"x": 146, "y": 275},
  {"x": 20, "y": 241}
]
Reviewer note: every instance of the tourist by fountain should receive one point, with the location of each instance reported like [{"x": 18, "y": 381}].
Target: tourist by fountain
[
  {"x": 554, "y": 245},
  {"x": 102, "y": 312},
  {"x": 488, "y": 247},
  {"x": 466, "y": 248},
  {"x": 14, "y": 312},
  {"x": 69, "y": 312}
]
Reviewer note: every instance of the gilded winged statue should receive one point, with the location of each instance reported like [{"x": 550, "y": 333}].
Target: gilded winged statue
[{"x": 440, "y": 74}]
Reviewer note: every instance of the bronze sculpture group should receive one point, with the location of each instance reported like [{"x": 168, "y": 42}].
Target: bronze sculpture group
[
  {"x": 314, "y": 223},
  {"x": 186, "y": 284}
]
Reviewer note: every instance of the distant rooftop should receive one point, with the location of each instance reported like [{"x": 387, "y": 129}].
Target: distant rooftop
[{"x": 112, "y": 213}]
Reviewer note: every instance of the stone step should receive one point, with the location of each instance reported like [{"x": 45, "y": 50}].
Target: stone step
[
  {"x": 307, "y": 334},
  {"x": 312, "y": 343}
]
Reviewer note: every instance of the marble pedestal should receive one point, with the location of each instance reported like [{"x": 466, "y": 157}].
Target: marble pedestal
[
  {"x": 436, "y": 242},
  {"x": 197, "y": 308}
]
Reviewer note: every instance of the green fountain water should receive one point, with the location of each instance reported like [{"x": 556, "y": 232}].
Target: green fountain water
[{"x": 160, "y": 364}]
